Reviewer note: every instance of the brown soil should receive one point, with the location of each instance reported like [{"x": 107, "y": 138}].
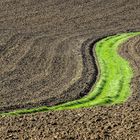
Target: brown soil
[
  {"x": 34, "y": 34},
  {"x": 131, "y": 51},
  {"x": 35, "y": 73}
]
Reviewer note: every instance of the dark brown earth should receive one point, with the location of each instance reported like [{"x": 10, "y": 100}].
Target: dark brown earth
[{"x": 34, "y": 34}]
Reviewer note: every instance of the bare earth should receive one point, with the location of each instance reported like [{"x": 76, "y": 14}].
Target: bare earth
[{"x": 46, "y": 59}]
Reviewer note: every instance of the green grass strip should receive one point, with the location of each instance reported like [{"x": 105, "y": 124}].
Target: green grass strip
[{"x": 113, "y": 85}]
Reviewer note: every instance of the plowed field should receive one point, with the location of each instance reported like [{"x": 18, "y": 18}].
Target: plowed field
[{"x": 47, "y": 58}]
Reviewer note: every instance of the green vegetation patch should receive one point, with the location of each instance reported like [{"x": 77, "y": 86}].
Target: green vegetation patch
[{"x": 113, "y": 85}]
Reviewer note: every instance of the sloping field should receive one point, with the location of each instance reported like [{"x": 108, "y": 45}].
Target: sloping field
[
  {"x": 46, "y": 59},
  {"x": 113, "y": 82}
]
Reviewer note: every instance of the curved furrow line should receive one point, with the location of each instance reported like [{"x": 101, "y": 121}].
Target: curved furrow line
[
  {"x": 130, "y": 50},
  {"x": 113, "y": 85},
  {"x": 39, "y": 72}
]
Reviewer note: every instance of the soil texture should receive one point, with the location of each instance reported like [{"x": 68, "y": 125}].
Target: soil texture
[{"x": 46, "y": 59}]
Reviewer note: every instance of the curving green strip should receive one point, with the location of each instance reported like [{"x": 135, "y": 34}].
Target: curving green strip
[{"x": 113, "y": 86}]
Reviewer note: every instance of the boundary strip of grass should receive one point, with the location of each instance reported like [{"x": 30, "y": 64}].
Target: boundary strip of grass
[{"x": 113, "y": 85}]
